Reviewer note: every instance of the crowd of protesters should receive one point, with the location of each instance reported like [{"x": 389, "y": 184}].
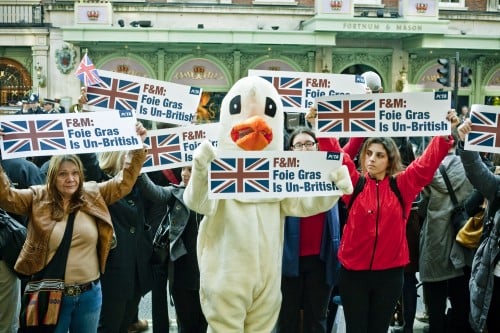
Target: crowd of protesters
[{"x": 364, "y": 267}]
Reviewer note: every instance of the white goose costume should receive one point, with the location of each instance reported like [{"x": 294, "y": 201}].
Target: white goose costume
[{"x": 240, "y": 241}]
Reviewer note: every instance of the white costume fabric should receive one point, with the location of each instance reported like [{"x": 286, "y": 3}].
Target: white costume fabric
[{"x": 240, "y": 241}]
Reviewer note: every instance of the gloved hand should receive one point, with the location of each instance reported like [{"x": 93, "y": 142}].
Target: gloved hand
[
  {"x": 203, "y": 155},
  {"x": 342, "y": 179}
]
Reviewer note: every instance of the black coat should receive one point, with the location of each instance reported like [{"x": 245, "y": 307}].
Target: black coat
[
  {"x": 22, "y": 174},
  {"x": 128, "y": 269},
  {"x": 183, "y": 231}
]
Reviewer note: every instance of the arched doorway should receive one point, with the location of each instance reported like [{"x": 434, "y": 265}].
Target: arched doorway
[{"x": 15, "y": 82}]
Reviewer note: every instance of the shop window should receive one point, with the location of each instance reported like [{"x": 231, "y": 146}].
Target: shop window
[
  {"x": 361, "y": 3},
  {"x": 275, "y": 2},
  {"x": 452, "y": 4},
  {"x": 493, "y": 5},
  {"x": 209, "y": 107},
  {"x": 194, "y": 1},
  {"x": 492, "y": 100}
]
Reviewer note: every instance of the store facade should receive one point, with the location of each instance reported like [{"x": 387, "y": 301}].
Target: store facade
[{"x": 212, "y": 45}]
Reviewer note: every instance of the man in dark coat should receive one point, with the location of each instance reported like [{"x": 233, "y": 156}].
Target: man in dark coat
[{"x": 22, "y": 174}]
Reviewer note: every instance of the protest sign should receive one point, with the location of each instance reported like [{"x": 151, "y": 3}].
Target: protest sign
[
  {"x": 271, "y": 174},
  {"x": 156, "y": 100},
  {"x": 173, "y": 147},
  {"x": 298, "y": 90},
  {"x": 370, "y": 115},
  {"x": 68, "y": 133},
  {"x": 485, "y": 133}
]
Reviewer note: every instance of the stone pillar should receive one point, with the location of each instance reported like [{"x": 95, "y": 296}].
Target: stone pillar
[
  {"x": 311, "y": 63},
  {"x": 161, "y": 64},
  {"x": 237, "y": 65},
  {"x": 39, "y": 69},
  {"x": 325, "y": 63},
  {"x": 477, "y": 75}
]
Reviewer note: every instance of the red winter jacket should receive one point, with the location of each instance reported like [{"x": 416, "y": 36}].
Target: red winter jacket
[{"x": 374, "y": 236}]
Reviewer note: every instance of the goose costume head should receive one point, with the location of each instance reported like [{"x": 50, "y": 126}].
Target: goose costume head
[
  {"x": 240, "y": 240},
  {"x": 251, "y": 116}
]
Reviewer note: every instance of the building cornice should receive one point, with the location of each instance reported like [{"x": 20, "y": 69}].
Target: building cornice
[
  {"x": 389, "y": 26},
  {"x": 473, "y": 44},
  {"x": 205, "y": 36}
]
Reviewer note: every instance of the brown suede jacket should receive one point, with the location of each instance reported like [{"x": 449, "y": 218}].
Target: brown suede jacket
[{"x": 34, "y": 203}]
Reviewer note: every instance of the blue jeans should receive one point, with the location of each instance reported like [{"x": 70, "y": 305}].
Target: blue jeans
[{"x": 80, "y": 314}]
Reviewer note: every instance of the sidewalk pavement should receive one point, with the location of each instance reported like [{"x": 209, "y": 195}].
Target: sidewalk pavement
[{"x": 145, "y": 313}]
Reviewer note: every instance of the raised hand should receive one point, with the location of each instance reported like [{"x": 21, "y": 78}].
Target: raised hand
[
  {"x": 464, "y": 129},
  {"x": 141, "y": 131},
  {"x": 342, "y": 179}
]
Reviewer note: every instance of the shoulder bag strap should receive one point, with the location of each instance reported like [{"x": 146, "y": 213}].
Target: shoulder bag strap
[
  {"x": 448, "y": 185},
  {"x": 394, "y": 187},
  {"x": 163, "y": 227},
  {"x": 360, "y": 184},
  {"x": 57, "y": 265}
]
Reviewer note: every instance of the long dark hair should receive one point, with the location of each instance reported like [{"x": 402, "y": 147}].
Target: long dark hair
[{"x": 390, "y": 148}]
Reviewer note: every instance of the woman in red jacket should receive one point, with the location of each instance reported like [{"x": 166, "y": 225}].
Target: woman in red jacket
[{"x": 373, "y": 249}]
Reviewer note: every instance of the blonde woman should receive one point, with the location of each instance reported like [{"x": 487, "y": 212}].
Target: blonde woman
[{"x": 48, "y": 207}]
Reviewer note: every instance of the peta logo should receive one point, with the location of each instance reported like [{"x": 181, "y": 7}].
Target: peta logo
[
  {"x": 360, "y": 79},
  {"x": 331, "y": 156},
  {"x": 441, "y": 95},
  {"x": 194, "y": 91},
  {"x": 125, "y": 113}
]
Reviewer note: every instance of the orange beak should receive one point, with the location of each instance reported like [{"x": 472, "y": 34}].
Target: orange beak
[{"x": 252, "y": 134}]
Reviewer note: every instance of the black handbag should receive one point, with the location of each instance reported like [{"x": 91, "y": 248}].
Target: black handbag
[
  {"x": 42, "y": 298},
  {"x": 12, "y": 237},
  {"x": 458, "y": 216}
]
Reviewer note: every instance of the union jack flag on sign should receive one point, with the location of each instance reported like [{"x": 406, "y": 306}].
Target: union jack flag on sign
[
  {"x": 289, "y": 89},
  {"x": 347, "y": 116},
  {"x": 33, "y": 135},
  {"x": 114, "y": 93},
  {"x": 86, "y": 72},
  {"x": 165, "y": 150},
  {"x": 485, "y": 130},
  {"x": 240, "y": 175}
]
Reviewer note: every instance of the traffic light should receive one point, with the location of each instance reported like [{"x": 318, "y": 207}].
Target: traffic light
[
  {"x": 465, "y": 79},
  {"x": 444, "y": 72}
]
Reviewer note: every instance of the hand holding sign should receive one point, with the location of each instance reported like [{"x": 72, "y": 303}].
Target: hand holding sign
[
  {"x": 204, "y": 154},
  {"x": 311, "y": 116},
  {"x": 69, "y": 133},
  {"x": 452, "y": 117},
  {"x": 464, "y": 129},
  {"x": 141, "y": 130},
  {"x": 374, "y": 115},
  {"x": 342, "y": 179}
]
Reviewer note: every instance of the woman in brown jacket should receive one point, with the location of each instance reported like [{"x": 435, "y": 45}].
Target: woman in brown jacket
[{"x": 48, "y": 207}]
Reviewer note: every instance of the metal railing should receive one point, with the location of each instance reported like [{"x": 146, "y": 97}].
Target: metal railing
[{"x": 21, "y": 15}]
